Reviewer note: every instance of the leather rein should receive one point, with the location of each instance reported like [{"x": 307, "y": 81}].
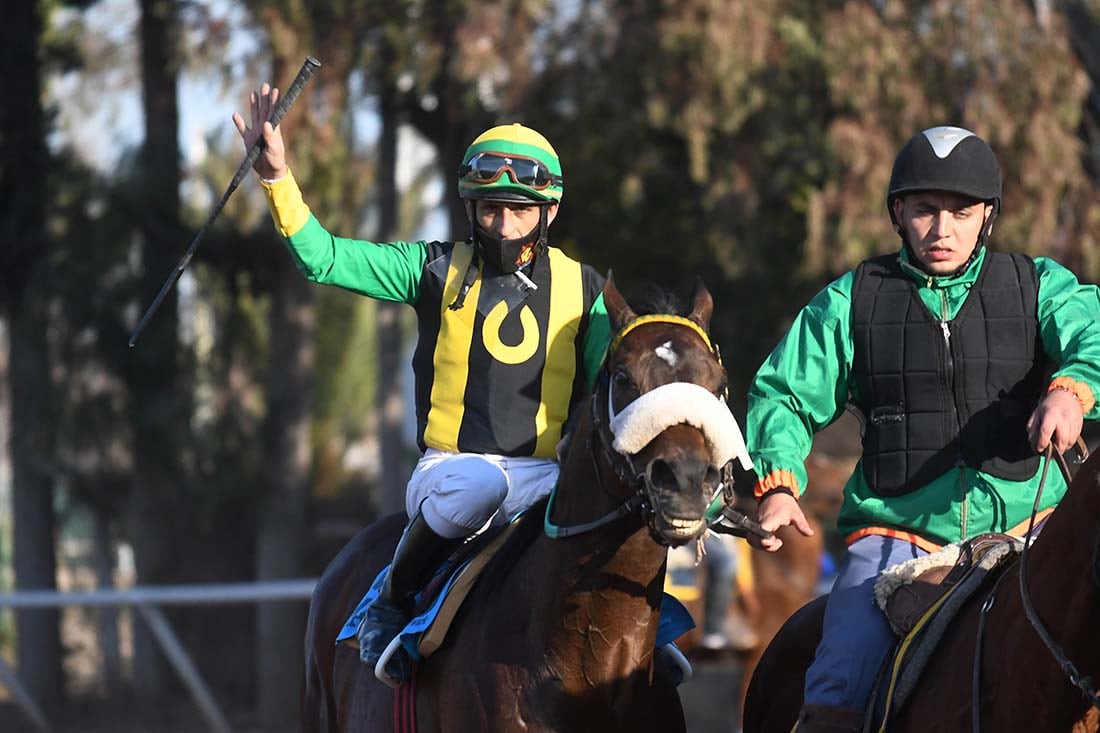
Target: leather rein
[{"x": 1082, "y": 683}]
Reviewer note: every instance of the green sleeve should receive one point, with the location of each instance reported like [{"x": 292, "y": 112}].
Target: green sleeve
[
  {"x": 389, "y": 271},
  {"x": 596, "y": 339},
  {"x": 1069, "y": 324},
  {"x": 803, "y": 385}
]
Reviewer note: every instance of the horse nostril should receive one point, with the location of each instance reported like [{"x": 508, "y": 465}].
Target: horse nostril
[{"x": 661, "y": 475}]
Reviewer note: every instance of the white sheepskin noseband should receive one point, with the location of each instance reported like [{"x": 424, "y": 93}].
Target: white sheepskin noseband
[{"x": 673, "y": 404}]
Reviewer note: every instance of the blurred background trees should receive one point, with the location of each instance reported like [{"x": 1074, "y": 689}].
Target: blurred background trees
[{"x": 260, "y": 419}]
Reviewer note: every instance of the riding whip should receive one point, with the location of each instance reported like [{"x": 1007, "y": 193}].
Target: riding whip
[{"x": 304, "y": 74}]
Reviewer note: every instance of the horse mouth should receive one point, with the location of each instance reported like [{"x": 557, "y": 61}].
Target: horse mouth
[{"x": 680, "y": 531}]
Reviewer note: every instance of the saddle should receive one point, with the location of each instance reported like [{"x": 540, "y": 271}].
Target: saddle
[
  {"x": 438, "y": 603},
  {"x": 921, "y": 597},
  {"x": 906, "y": 592}
]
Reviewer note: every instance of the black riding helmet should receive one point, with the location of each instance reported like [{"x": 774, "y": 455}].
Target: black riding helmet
[{"x": 947, "y": 159}]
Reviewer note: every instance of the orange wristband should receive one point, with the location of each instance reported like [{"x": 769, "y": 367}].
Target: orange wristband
[{"x": 1080, "y": 390}]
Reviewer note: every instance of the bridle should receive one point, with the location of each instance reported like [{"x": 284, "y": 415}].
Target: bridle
[
  {"x": 1082, "y": 683},
  {"x": 601, "y": 447}
]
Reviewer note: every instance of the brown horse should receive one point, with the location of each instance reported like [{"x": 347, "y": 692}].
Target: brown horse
[
  {"x": 1021, "y": 685},
  {"x": 558, "y": 633}
]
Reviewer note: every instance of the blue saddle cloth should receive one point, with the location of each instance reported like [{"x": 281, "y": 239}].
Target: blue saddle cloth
[{"x": 675, "y": 619}]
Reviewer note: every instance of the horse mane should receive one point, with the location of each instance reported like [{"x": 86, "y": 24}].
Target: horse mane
[{"x": 652, "y": 299}]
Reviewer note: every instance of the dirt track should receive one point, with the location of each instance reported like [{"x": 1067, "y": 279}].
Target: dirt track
[{"x": 709, "y": 699}]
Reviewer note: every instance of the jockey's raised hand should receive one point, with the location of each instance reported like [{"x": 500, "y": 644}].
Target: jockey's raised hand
[
  {"x": 779, "y": 509},
  {"x": 271, "y": 164},
  {"x": 1057, "y": 419}
]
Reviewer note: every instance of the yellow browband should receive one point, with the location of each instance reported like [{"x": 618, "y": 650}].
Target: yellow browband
[{"x": 659, "y": 318}]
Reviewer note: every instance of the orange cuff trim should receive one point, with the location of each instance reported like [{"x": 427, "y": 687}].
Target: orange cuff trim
[
  {"x": 913, "y": 539},
  {"x": 1080, "y": 390},
  {"x": 775, "y": 479}
]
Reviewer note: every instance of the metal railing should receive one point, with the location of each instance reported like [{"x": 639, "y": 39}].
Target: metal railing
[{"x": 147, "y": 600}]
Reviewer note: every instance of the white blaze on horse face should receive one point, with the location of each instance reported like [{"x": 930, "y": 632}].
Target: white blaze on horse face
[{"x": 667, "y": 354}]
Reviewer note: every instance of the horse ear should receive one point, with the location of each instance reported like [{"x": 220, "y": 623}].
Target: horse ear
[
  {"x": 617, "y": 310},
  {"x": 702, "y": 304}
]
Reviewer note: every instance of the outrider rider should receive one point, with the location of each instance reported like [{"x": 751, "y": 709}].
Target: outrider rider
[{"x": 963, "y": 363}]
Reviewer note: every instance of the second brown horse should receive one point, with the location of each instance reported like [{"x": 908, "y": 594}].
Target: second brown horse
[{"x": 1020, "y": 685}]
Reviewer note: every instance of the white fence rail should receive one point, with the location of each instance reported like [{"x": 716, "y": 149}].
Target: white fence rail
[{"x": 148, "y": 601}]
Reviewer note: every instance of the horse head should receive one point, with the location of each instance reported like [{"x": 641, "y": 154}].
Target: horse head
[{"x": 660, "y": 414}]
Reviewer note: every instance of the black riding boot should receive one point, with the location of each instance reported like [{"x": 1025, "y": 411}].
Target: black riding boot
[{"x": 418, "y": 556}]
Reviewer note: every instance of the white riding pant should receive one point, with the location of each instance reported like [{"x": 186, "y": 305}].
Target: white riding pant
[{"x": 460, "y": 493}]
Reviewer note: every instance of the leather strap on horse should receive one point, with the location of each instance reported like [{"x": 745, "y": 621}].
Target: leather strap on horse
[
  {"x": 404, "y": 705},
  {"x": 1084, "y": 684},
  {"x": 976, "y": 681}
]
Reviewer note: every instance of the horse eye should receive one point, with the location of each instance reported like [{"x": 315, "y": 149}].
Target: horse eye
[{"x": 622, "y": 379}]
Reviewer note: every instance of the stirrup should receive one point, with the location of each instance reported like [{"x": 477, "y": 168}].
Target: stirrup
[
  {"x": 380, "y": 668},
  {"x": 681, "y": 662}
]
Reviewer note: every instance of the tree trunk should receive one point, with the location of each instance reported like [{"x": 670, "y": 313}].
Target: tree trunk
[
  {"x": 39, "y": 644},
  {"x": 389, "y": 396},
  {"x": 106, "y": 616},
  {"x": 158, "y": 407},
  {"x": 23, "y": 162},
  {"x": 281, "y": 540}
]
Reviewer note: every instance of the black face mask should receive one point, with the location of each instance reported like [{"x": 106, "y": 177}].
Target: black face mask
[
  {"x": 504, "y": 255},
  {"x": 508, "y": 255}
]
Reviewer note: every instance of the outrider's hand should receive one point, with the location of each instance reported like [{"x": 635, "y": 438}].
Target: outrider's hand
[
  {"x": 1057, "y": 419},
  {"x": 777, "y": 510},
  {"x": 272, "y": 161}
]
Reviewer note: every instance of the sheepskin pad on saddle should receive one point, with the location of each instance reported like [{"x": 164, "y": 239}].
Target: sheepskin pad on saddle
[
  {"x": 673, "y": 404},
  {"x": 892, "y": 578}
]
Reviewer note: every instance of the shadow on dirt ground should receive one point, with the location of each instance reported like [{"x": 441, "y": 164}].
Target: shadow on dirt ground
[{"x": 711, "y": 698}]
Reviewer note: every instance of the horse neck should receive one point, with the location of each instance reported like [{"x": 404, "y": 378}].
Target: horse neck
[{"x": 601, "y": 608}]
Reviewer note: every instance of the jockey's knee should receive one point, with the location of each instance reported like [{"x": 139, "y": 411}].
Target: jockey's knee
[{"x": 464, "y": 497}]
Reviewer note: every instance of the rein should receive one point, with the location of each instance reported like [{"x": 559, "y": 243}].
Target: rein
[
  {"x": 619, "y": 464},
  {"x": 1084, "y": 684}
]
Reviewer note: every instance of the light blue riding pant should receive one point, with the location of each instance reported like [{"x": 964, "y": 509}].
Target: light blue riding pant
[{"x": 856, "y": 636}]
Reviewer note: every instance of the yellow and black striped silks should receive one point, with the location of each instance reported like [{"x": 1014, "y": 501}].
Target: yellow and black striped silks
[{"x": 527, "y": 359}]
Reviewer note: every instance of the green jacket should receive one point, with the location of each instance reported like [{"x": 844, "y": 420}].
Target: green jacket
[{"x": 805, "y": 384}]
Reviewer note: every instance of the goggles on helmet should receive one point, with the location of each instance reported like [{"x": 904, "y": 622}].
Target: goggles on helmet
[{"x": 488, "y": 167}]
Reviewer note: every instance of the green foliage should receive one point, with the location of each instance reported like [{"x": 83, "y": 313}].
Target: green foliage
[{"x": 747, "y": 142}]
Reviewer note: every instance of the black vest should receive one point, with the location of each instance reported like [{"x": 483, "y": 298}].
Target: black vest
[{"x": 937, "y": 395}]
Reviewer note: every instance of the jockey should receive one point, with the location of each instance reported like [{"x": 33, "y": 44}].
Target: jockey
[
  {"x": 511, "y": 334},
  {"x": 963, "y": 362}
]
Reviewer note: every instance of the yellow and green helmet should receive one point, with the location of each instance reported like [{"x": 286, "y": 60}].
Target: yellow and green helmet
[{"x": 511, "y": 163}]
